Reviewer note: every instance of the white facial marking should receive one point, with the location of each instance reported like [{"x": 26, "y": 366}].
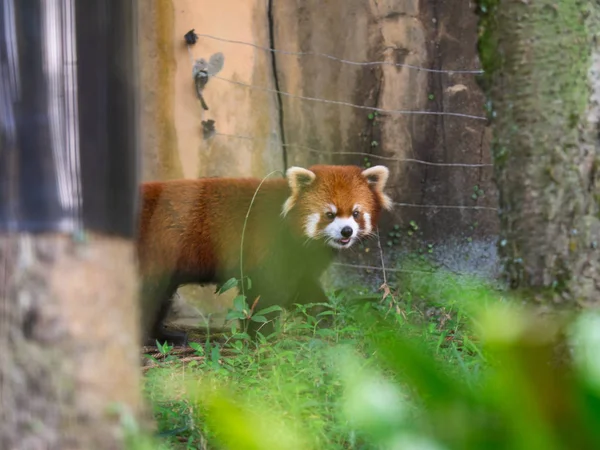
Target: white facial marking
[
  {"x": 368, "y": 224},
  {"x": 333, "y": 232},
  {"x": 332, "y": 208},
  {"x": 287, "y": 206},
  {"x": 310, "y": 226}
]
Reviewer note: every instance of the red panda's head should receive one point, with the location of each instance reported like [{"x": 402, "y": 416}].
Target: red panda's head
[{"x": 337, "y": 204}]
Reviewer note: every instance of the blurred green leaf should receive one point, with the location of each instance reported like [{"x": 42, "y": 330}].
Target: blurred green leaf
[{"x": 229, "y": 284}]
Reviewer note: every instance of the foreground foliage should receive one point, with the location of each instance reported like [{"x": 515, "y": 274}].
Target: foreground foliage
[{"x": 446, "y": 364}]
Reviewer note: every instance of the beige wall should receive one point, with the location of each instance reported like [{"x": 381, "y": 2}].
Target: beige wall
[
  {"x": 172, "y": 115},
  {"x": 235, "y": 109}
]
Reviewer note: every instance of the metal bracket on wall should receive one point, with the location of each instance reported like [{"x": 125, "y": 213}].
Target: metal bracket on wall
[
  {"x": 208, "y": 129},
  {"x": 201, "y": 73},
  {"x": 203, "y": 70}
]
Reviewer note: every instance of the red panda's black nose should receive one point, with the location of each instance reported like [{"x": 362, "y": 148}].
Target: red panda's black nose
[{"x": 347, "y": 231}]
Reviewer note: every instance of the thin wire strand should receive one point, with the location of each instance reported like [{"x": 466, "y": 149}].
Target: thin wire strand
[
  {"x": 429, "y": 272},
  {"x": 352, "y": 105},
  {"x": 335, "y": 58},
  {"x": 414, "y": 205},
  {"x": 381, "y": 256},
  {"x": 391, "y": 158},
  {"x": 370, "y": 155},
  {"x": 364, "y": 267},
  {"x": 244, "y": 229}
]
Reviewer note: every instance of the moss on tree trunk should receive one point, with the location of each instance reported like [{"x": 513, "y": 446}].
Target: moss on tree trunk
[{"x": 543, "y": 83}]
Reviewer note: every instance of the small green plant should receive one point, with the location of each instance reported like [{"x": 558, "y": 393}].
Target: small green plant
[
  {"x": 164, "y": 349},
  {"x": 412, "y": 228},
  {"x": 394, "y": 236},
  {"x": 241, "y": 310},
  {"x": 477, "y": 192}
]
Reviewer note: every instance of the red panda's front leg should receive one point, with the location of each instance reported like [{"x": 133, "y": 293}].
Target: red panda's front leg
[
  {"x": 156, "y": 302},
  {"x": 311, "y": 291},
  {"x": 265, "y": 299},
  {"x": 308, "y": 290},
  {"x": 161, "y": 334}
]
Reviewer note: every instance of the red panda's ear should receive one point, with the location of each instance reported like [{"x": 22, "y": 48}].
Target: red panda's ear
[
  {"x": 377, "y": 177},
  {"x": 298, "y": 179}
]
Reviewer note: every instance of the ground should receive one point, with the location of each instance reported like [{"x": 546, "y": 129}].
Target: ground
[
  {"x": 430, "y": 360},
  {"x": 294, "y": 372}
]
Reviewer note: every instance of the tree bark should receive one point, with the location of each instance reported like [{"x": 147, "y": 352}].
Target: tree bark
[
  {"x": 67, "y": 311},
  {"x": 542, "y": 77}
]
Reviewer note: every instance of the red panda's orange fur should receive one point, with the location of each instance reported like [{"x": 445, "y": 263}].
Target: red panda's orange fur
[{"x": 190, "y": 232}]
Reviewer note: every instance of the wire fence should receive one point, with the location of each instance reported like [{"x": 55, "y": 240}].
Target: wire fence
[
  {"x": 269, "y": 90},
  {"x": 370, "y": 155},
  {"x": 351, "y": 105},
  {"x": 335, "y": 58}
]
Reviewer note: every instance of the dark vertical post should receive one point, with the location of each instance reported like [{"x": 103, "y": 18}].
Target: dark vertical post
[
  {"x": 69, "y": 322},
  {"x": 68, "y": 134}
]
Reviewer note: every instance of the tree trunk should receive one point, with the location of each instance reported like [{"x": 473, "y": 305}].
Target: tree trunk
[
  {"x": 68, "y": 353},
  {"x": 542, "y": 77}
]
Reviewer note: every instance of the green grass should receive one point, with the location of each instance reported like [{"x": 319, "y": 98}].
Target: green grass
[{"x": 442, "y": 363}]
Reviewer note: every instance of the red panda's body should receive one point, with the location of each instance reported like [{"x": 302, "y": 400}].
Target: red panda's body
[{"x": 191, "y": 232}]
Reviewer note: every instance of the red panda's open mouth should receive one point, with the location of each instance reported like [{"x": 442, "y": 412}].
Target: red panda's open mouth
[{"x": 344, "y": 241}]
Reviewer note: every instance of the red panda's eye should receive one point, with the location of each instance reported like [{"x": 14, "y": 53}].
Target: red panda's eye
[
  {"x": 330, "y": 215},
  {"x": 355, "y": 214}
]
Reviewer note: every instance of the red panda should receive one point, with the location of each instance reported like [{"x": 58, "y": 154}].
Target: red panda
[{"x": 190, "y": 231}]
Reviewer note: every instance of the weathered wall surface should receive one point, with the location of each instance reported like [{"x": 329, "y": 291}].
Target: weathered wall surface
[
  {"x": 236, "y": 109},
  {"x": 452, "y": 45},
  {"x": 434, "y": 34},
  {"x": 438, "y": 35},
  {"x": 172, "y": 137},
  {"x": 172, "y": 116},
  {"x": 158, "y": 139}
]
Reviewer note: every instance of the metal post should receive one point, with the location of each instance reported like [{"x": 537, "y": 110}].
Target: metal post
[{"x": 68, "y": 158}]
